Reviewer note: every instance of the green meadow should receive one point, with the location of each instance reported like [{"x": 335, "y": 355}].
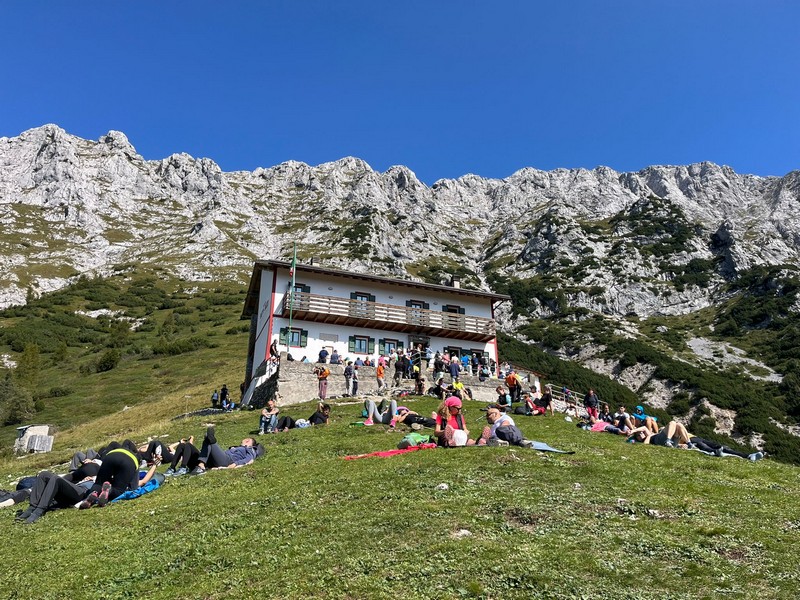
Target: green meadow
[{"x": 612, "y": 520}]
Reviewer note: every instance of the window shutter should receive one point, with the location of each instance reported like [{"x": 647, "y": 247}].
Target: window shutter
[
  {"x": 371, "y": 298},
  {"x": 408, "y": 303},
  {"x": 461, "y": 311},
  {"x": 351, "y": 344},
  {"x": 352, "y": 295},
  {"x": 306, "y": 289},
  {"x": 303, "y": 338},
  {"x": 283, "y": 336},
  {"x": 382, "y": 347},
  {"x": 399, "y": 345},
  {"x": 426, "y": 306},
  {"x": 445, "y": 308},
  {"x": 371, "y": 346}
]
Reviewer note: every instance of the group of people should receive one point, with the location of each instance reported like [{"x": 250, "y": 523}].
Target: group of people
[
  {"x": 97, "y": 478},
  {"x": 270, "y": 422},
  {"x": 222, "y": 399},
  {"x": 639, "y": 427}
]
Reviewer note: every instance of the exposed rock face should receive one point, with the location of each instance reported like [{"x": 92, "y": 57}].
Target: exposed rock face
[{"x": 619, "y": 242}]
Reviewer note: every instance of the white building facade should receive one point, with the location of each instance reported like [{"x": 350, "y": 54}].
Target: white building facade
[{"x": 361, "y": 315}]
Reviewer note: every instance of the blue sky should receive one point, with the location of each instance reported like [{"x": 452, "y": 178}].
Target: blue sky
[{"x": 445, "y": 88}]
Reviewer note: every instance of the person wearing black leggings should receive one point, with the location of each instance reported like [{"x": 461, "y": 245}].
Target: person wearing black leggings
[
  {"x": 51, "y": 491},
  {"x": 118, "y": 474},
  {"x": 712, "y": 447},
  {"x": 187, "y": 455}
]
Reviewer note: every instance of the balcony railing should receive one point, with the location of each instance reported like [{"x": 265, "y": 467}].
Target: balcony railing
[{"x": 390, "y": 317}]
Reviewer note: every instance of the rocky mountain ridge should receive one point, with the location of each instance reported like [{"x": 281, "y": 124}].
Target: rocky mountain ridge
[{"x": 659, "y": 241}]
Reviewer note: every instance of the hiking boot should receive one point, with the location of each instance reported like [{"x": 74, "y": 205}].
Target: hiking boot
[
  {"x": 37, "y": 514},
  {"x": 669, "y": 444},
  {"x": 718, "y": 452},
  {"x": 90, "y": 501},
  {"x": 24, "y": 514},
  {"x": 526, "y": 443},
  {"x": 102, "y": 499},
  {"x": 211, "y": 435},
  {"x": 181, "y": 471},
  {"x": 756, "y": 456},
  {"x": 199, "y": 471},
  {"x": 169, "y": 472},
  {"x": 260, "y": 432}
]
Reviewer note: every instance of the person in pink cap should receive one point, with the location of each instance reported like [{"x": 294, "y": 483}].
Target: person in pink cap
[{"x": 451, "y": 425}]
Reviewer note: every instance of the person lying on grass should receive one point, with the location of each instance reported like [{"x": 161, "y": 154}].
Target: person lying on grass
[
  {"x": 186, "y": 454},
  {"x": 322, "y": 416},
  {"x": 715, "y": 448},
  {"x": 214, "y": 457},
  {"x": 673, "y": 435},
  {"x": 640, "y": 419},
  {"x": 413, "y": 419},
  {"x": 51, "y": 491},
  {"x": 155, "y": 448},
  {"x": 385, "y": 416},
  {"x": 118, "y": 474}
]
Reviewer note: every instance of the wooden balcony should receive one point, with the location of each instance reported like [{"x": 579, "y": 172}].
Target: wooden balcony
[{"x": 387, "y": 317}]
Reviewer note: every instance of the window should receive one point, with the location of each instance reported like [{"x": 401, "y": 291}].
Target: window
[
  {"x": 389, "y": 346},
  {"x": 360, "y": 305},
  {"x": 453, "y": 308},
  {"x": 303, "y": 289},
  {"x": 416, "y": 315},
  {"x": 297, "y": 338},
  {"x": 453, "y": 351},
  {"x": 361, "y": 344}
]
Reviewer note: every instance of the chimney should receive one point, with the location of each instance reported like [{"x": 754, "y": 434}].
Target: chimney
[{"x": 455, "y": 281}]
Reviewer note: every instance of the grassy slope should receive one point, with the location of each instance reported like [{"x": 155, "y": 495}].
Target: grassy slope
[{"x": 644, "y": 523}]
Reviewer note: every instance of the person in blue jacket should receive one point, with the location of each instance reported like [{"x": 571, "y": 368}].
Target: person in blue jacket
[{"x": 214, "y": 457}]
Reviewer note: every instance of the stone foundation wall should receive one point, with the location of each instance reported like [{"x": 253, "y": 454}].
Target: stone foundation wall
[{"x": 297, "y": 382}]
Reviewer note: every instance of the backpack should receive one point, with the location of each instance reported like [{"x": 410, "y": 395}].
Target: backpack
[
  {"x": 511, "y": 434},
  {"x": 414, "y": 439}
]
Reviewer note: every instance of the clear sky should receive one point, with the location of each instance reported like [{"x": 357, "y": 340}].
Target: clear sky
[{"x": 443, "y": 87}]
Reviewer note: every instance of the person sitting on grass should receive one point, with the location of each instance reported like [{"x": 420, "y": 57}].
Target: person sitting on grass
[
  {"x": 622, "y": 419},
  {"x": 501, "y": 430},
  {"x": 187, "y": 454},
  {"x": 439, "y": 390},
  {"x": 451, "y": 428},
  {"x": 503, "y": 398},
  {"x": 672, "y": 436},
  {"x": 214, "y": 457},
  {"x": 118, "y": 474},
  {"x": 413, "y": 419},
  {"x": 605, "y": 413},
  {"x": 385, "y": 416},
  {"x": 268, "y": 423}
]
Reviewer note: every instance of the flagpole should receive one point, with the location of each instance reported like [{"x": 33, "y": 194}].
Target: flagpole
[{"x": 291, "y": 298}]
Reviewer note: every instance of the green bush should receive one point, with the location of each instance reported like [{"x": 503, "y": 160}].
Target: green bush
[
  {"x": 108, "y": 360},
  {"x": 181, "y": 346}
]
